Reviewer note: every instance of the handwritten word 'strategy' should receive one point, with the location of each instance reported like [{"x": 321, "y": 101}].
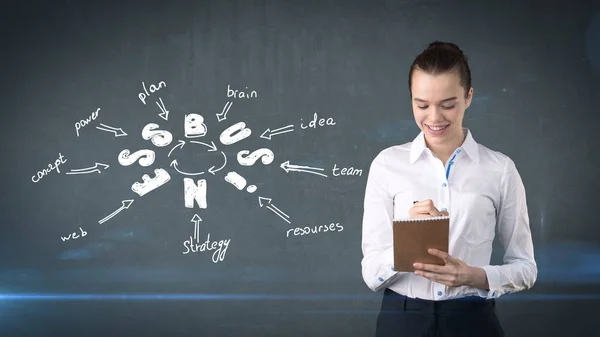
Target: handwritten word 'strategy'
[
  {"x": 219, "y": 247},
  {"x": 44, "y": 172}
]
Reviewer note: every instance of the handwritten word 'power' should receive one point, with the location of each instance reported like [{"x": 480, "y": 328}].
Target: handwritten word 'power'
[
  {"x": 84, "y": 122},
  {"x": 220, "y": 246},
  {"x": 74, "y": 235},
  {"x": 316, "y": 121},
  {"x": 153, "y": 88},
  {"x": 315, "y": 229},
  {"x": 40, "y": 174}
]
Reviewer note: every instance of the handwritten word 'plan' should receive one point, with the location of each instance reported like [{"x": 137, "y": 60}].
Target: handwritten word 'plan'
[
  {"x": 153, "y": 88},
  {"x": 44, "y": 172}
]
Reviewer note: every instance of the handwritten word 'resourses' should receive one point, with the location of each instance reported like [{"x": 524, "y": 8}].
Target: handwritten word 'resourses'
[{"x": 315, "y": 229}]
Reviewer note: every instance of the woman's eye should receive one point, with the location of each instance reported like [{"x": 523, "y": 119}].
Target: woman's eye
[{"x": 444, "y": 107}]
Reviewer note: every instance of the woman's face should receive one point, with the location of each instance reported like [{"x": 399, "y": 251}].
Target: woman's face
[{"x": 439, "y": 106}]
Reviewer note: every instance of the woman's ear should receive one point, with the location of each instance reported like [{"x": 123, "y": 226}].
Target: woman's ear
[{"x": 469, "y": 98}]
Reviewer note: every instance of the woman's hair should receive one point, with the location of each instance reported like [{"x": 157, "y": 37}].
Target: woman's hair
[{"x": 441, "y": 57}]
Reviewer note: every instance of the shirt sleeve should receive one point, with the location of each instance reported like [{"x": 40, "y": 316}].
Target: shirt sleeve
[
  {"x": 377, "y": 241},
  {"x": 519, "y": 271}
]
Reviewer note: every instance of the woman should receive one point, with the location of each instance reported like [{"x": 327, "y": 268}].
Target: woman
[{"x": 443, "y": 171}]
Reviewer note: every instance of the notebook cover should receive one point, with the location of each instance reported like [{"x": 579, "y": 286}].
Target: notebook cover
[{"x": 412, "y": 238}]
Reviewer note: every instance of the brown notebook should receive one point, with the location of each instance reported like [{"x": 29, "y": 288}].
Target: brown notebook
[{"x": 412, "y": 238}]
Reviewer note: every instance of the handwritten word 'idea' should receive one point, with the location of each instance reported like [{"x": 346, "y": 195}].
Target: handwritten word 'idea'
[
  {"x": 42, "y": 173},
  {"x": 219, "y": 247},
  {"x": 315, "y": 229},
  {"x": 240, "y": 94},
  {"x": 316, "y": 121}
]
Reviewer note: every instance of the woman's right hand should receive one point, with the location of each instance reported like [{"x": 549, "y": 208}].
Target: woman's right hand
[{"x": 425, "y": 209}]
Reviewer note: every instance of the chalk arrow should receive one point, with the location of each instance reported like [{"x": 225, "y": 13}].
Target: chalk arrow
[
  {"x": 86, "y": 170},
  {"x": 124, "y": 205},
  {"x": 212, "y": 169},
  {"x": 269, "y": 133},
  {"x": 117, "y": 131},
  {"x": 262, "y": 201},
  {"x": 287, "y": 167},
  {"x": 165, "y": 113},
  {"x": 180, "y": 144},
  {"x": 223, "y": 115},
  {"x": 211, "y": 148},
  {"x": 174, "y": 164},
  {"x": 196, "y": 219}
]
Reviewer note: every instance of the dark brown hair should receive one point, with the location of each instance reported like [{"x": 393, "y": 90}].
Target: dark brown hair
[{"x": 441, "y": 57}]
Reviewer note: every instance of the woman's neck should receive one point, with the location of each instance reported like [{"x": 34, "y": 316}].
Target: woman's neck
[{"x": 444, "y": 151}]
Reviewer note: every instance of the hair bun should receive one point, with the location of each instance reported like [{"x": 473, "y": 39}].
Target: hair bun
[{"x": 443, "y": 45}]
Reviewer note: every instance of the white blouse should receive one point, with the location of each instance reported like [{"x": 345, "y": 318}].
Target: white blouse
[{"x": 482, "y": 191}]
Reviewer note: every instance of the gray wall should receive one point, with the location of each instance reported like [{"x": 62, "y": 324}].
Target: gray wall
[{"x": 536, "y": 72}]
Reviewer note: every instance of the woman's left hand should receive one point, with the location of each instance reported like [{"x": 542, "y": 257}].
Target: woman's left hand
[{"x": 454, "y": 273}]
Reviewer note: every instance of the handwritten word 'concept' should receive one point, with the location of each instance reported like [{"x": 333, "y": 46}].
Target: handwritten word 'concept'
[
  {"x": 74, "y": 235},
  {"x": 220, "y": 247},
  {"x": 315, "y": 229},
  {"x": 345, "y": 171},
  {"x": 153, "y": 88},
  {"x": 44, "y": 172},
  {"x": 84, "y": 122},
  {"x": 318, "y": 122},
  {"x": 239, "y": 93}
]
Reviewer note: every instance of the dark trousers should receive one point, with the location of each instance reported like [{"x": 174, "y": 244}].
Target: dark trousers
[{"x": 403, "y": 316}]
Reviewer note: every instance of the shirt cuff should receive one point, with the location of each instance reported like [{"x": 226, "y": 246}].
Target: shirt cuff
[
  {"x": 493, "y": 277},
  {"x": 386, "y": 275}
]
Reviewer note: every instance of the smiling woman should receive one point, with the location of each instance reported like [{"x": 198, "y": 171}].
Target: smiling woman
[{"x": 480, "y": 189}]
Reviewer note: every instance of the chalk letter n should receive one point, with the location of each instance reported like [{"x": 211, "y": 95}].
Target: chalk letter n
[{"x": 194, "y": 192}]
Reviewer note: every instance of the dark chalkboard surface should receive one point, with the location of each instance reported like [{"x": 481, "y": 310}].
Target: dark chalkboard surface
[{"x": 198, "y": 168}]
